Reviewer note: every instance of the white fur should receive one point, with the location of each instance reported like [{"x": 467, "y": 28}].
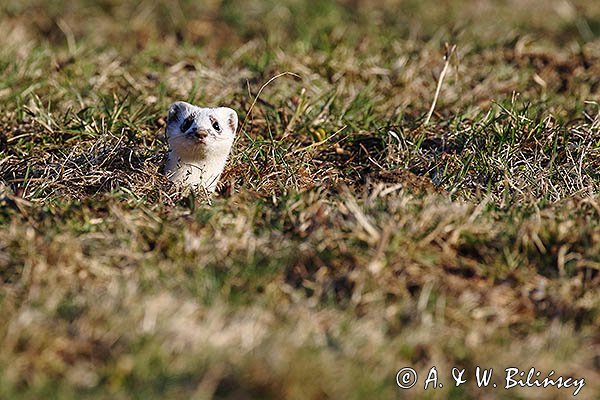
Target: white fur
[{"x": 193, "y": 161}]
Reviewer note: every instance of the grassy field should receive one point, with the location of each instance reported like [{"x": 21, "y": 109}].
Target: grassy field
[{"x": 352, "y": 235}]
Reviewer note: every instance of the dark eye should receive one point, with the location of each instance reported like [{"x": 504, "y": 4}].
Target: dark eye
[
  {"x": 216, "y": 126},
  {"x": 186, "y": 124}
]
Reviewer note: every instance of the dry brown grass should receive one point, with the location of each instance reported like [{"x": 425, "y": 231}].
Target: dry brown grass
[{"x": 348, "y": 239}]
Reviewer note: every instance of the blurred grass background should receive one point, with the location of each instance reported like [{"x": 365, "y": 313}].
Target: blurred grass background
[{"x": 349, "y": 238}]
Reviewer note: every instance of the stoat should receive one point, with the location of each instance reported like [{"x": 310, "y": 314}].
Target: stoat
[{"x": 200, "y": 141}]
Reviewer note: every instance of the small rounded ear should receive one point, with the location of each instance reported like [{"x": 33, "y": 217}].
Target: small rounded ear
[
  {"x": 176, "y": 111},
  {"x": 232, "y": 119}
]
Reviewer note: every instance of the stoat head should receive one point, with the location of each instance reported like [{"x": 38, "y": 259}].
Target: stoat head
[{"x": 195, "y": 133}]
